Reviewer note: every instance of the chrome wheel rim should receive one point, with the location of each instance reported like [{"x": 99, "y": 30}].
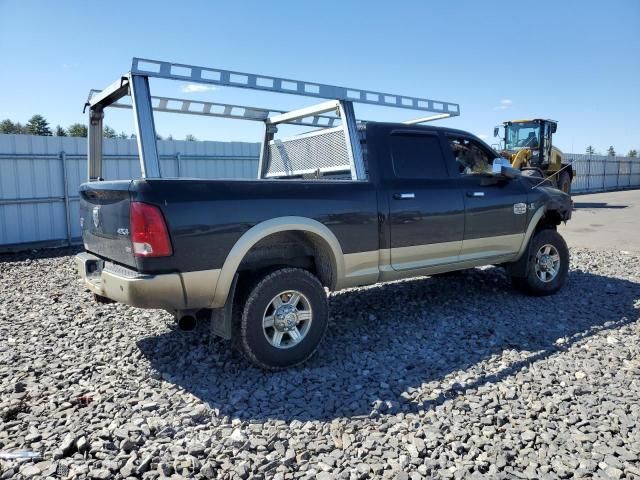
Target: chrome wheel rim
[
  {"x": 287, "y": 319},
  {"x": 547, "y": 263}
]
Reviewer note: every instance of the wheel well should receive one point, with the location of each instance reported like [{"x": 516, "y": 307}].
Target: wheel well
[
  {"x": 292, "y": 249},
  {"x": 550, "y": 220}
]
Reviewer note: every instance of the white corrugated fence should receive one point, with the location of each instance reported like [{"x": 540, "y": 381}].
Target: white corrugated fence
[
  {"x": 600, "y": 173},
  {"x": 40, "y": 176}
]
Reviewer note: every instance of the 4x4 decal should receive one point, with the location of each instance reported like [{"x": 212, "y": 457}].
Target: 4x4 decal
[{"x": 519, "y": 208}]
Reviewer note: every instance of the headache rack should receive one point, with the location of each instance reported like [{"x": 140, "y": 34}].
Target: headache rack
[{"x": 332, "y": 150}]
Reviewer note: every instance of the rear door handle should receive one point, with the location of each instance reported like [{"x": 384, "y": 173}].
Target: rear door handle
[
  {"x": 404, "y": 196},
  {"x": 475, "y": 194}
]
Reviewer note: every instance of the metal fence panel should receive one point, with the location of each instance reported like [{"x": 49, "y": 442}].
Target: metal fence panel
[
  {"x": 598, "y": 173},
  {"x": 634, "y": 177},
  {"x": 39, "y": 204}
]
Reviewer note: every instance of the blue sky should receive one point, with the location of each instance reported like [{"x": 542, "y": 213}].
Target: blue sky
[{"x": 574, "y": 61}]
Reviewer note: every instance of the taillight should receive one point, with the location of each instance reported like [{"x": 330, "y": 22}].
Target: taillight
[{"x": 149, "y": 233}]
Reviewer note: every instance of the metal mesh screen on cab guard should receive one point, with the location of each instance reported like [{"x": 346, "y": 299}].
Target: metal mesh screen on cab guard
[{"x": 324, "y": 150}]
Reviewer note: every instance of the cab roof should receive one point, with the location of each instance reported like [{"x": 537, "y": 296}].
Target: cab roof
[{"x": 533, "y": 120}]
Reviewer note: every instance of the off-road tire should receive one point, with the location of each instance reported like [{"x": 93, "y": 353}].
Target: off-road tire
[
  {"x": 564, "y": 181},
  {"x": 527, "y": 280},
  {"x": 249, "y": 336}
]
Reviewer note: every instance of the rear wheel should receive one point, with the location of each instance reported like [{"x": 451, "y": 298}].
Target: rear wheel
[
  {"x": 283, "y": 320},
  {"x": 547, "y": 265},
  {"x": 564, "y": 181}
]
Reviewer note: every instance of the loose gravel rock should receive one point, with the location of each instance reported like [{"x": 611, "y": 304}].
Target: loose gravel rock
[{"x": 444, "y": 377}]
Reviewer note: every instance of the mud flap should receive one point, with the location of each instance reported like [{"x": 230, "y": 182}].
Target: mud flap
[
  {"x": 519, "y": 267},
  {"x": 222, "y": 318}
]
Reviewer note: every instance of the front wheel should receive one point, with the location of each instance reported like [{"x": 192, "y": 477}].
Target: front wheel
[
  {"x": 547, "y": 265},
  {"x": 283, "y": 320}
]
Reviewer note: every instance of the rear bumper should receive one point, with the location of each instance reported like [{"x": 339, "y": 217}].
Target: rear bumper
[{"x": 169, "y": 291}]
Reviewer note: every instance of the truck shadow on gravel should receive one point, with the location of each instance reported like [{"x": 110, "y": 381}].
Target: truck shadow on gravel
[{"x": 400, "y": 347}]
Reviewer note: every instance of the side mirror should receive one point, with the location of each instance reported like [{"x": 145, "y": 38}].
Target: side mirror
[
  {"x": 498, "y": 163},
  {"x": 502, "y": 166},
  {"x": 510, "y": 172},
  {"x": 554, "y": 127},
  {"x": 496, "y": 131}
]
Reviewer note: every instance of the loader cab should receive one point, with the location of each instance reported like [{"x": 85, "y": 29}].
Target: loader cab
[{"x": 535, "y": 135}]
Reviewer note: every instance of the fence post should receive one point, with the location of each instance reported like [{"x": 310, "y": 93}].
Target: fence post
[
  {"x": 178, "y": 162},
  {"x": 589, "y": 174},
  {"x": 65, "y": 186},
  {"x": 604, "y": 174}
]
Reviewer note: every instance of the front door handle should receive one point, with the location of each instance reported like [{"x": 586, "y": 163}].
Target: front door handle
[
  {"x": 475, "y": 194},
  {"x": 404, "y": 196}
]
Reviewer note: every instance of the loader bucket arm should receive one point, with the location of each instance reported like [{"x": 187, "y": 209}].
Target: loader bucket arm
[{"x": 521, "y": 159}]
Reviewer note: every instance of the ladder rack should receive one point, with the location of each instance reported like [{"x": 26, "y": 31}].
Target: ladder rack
[
  {"x": 226, "y": 110},
  {"x": 325, "y": 116},
  {"x": 229, "y": 78}
]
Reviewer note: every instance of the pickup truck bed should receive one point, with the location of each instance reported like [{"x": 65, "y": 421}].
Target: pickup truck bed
[{"x": 429, "y": 205}]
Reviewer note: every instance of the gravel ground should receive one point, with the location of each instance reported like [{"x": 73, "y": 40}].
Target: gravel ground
[{"x": 445, "y": 377}]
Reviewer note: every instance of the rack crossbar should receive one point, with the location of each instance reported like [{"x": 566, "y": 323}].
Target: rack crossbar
[
  {"x": 226, "y": 110},
  {"x": 229, "y": 78},
  {"x": 110, "y": 95},
  {"x": 427, "y": 119},
  {"x": 243, "y": 112}
]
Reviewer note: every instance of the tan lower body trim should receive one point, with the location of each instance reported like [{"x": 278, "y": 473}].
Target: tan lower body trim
[
  {"x": 365, "y": 268},
  {"x": 488, "y": 247},
  {"x": 360, "y": 269},
  {"x": 419, "y": 256}
]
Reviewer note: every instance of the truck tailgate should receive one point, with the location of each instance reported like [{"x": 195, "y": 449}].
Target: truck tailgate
[{"x": 104, "y": 219}]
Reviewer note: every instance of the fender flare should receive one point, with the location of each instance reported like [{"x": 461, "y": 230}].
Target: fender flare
[
  {"x": 533, "y": 224},
  {"x": 263, "y": 229}
]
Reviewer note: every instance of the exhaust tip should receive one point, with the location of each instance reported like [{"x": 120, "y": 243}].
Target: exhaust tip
[{"x": 187, "y": 323}]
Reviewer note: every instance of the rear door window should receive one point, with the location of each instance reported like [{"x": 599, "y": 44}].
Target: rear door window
[{"x": 417, "y": 155}]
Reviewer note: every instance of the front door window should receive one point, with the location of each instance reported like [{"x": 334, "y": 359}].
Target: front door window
[{"x": 471, "y": 159}]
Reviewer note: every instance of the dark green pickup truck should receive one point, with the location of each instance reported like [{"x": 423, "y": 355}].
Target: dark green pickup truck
[{"x": 257, "y": 255}]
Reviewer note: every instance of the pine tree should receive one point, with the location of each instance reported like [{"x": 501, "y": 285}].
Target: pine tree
[
  {"x": 108, "y": 132},
  {"x": 60, "y": 132},
  {"x": 632, "y": 153},
  {"x": 122, "y": 135},
  {"x": 77, "y": 130},
  {"x": 37, "y": 125},
  {"x": 190, "y": 138},
  {"x": 7, "y": 126},
  {"x": 590, "y": 150},
  {"x": 611, "y": 151}
]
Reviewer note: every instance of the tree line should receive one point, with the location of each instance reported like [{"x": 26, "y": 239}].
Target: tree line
[
  {"x": 38, "y": 125},
  {"x": 611, "y": 152}
]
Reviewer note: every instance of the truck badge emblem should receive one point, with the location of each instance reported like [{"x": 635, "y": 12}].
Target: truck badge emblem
[
  {"x": 96, "y": 216},
  {"x": 519, "y": 208}
]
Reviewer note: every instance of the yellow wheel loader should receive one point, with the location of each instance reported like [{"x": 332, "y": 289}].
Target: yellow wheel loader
[{"x": 527, "y": 144}]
